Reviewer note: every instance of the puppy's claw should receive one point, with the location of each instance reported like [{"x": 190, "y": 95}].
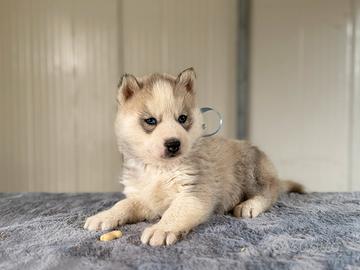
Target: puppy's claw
[
  {"x": 102, "y": 221},
  {"x": 247, "y": 209},
  {"x": 155, "y": 236},
  {"x": 171, "y": 238}
]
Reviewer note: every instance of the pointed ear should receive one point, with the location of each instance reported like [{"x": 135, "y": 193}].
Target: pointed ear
[
  {"x": 186, "y": 79},
  {"x": 127, "y": 87}
]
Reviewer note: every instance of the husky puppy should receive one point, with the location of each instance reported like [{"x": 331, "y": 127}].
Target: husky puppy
[{"x": 171, "y": 171}]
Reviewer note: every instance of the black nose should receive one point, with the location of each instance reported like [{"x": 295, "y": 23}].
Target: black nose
[{"x": 172, "y": 145}]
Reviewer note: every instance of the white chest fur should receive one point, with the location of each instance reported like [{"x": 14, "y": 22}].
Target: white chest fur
[{"x": 156, "y": 187}]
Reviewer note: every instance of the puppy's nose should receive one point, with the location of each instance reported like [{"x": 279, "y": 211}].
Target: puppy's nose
[{"x": 172, "y": 145}]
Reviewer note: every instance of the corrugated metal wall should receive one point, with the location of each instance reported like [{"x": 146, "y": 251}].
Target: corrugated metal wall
[
  {"x": 60, "y": 62},
  {"x": 59, "y": 65},
  {"x": 170, "y": 35}
]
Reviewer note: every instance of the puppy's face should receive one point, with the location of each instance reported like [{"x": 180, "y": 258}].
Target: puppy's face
[{"x": 157, "y": 119}]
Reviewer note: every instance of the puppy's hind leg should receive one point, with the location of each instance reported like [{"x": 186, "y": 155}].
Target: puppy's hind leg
[
  {"x": 259, "y": 201},
  {"x": 252, "y": 207},
  {"x": 262, "y": 188}
]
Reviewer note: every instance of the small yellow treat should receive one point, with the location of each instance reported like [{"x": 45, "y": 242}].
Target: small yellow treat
[{"x": 110, "y": 236}]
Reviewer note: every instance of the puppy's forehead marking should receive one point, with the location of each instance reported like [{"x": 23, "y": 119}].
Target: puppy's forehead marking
[
  {"x": 163, "y": 99},
  {"x": 163, "y": 91}
]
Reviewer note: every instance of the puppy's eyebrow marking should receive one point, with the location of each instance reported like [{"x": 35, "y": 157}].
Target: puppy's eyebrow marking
[
  {"x": 189, "y": 121},
  {"x": 144, "y": 114},
  {"x": 147, "y": 128}
]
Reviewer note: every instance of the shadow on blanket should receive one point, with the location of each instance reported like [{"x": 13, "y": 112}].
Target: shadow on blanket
[{"x": 312, "y": 231}]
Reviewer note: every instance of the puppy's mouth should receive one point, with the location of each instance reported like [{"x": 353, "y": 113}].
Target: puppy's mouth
[{"x": 170, "y": 155}]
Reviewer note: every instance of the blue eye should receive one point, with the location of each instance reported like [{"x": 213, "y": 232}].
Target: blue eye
[
  {"x": 182, "y": 119},
  {"x": 151, "y": 121}
]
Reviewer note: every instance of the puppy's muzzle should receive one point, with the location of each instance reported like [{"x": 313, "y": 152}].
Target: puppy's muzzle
[{"x": 172, "y": 146}]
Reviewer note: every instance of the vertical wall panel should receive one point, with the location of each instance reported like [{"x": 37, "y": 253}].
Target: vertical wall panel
[
  {"x": 300, "y": 88},
  {"x": 169, "y": 35},
  {"x": 355, "y": 113},
  {"x": 59, "y": 65}
]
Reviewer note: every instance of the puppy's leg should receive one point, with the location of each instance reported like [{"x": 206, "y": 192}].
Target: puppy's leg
[
  {"x": 258, "y": 202},
  {"x": 125, "y": 211},
  {"x": 183, "y": 214},
  {"x": 252, "y": 207},
  {"x": 262, "y": 189}
]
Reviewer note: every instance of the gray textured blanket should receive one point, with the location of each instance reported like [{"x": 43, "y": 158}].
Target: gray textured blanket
[{"x": 313, "y": 231}]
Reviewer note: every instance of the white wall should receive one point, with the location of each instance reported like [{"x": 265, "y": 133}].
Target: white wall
[
  {"x": 355, "y": 97},
  {"x": 171, "y": 35},
  {"x": 58, "y": 72},
  {"x": 60, "y": 62},
  {"x": 302, "y": 90}
]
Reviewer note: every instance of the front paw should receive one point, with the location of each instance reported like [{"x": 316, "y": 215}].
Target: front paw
[
  {"x": 102, "y": 221},
  {"x": 157, "y": 236}
]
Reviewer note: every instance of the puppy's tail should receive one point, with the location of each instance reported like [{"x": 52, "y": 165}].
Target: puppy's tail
[{"x": 287, "y": 186}]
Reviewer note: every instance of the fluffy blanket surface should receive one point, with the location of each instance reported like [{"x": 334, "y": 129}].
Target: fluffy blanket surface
[{"x": 311, "y": 231}]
